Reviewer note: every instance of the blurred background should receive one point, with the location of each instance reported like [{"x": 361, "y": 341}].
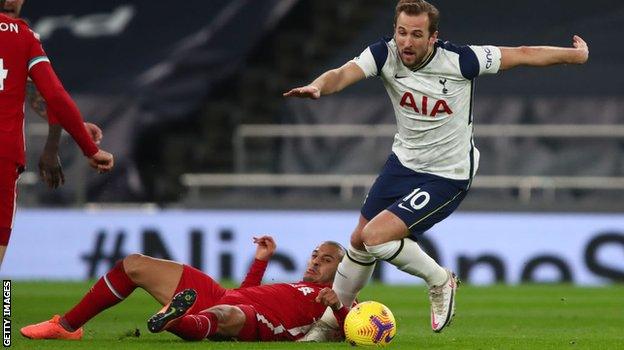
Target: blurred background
[{"x": 189, "y": 98}]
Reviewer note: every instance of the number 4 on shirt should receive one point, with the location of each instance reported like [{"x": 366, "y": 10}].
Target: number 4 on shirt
[{"x": 3, "y": 74}]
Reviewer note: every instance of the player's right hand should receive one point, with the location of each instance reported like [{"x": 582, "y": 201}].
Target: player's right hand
[
  {"x": 266, "y": 247},
  {"x": 328, "y": 297},
  {"x": 308, "y": 91},
  {"x": 102, "y": 161}
]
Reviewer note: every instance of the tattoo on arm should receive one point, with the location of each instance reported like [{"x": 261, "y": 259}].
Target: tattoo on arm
[{"x": 36, "y": 101}]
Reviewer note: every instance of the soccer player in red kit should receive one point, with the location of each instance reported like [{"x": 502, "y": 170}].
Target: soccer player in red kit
[
  {"x": 22, "y": 56},
  {"x": 270, "y": 312},
  {"x": 50, "y": 169},
  {"x": 197, "y": 307}
]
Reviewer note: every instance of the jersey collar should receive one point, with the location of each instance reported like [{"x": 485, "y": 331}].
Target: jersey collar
[{"x": 427, "y": 59}]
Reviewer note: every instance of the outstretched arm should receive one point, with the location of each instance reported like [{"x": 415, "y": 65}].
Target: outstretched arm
[
  {"x": 329, "y": 82},
  {"x": 541, "y": 56}
]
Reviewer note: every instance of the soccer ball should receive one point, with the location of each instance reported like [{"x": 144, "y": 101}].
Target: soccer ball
[{"x": 369, "y": 324}]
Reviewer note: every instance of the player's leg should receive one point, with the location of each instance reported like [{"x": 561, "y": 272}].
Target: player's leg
[
  {"x": 9, "y": 173},
  {"x": 354, "y": 271},
  {"x": 158, "y": 277},
  {"x": 180, "y": 305},
  {"x": 358, "y": 264},
  {"x": 386, "y": 237},
  {"x": 109, "y": 290},
  {"x": 229, "y": 321},
  {"x": 194, "y": 293}
]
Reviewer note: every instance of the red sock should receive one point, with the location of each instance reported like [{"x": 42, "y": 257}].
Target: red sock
[
  {"x": 196, "y": 327},
  {"x": 109, "y": 290}
]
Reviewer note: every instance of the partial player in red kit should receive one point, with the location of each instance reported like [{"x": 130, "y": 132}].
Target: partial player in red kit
[
  {"x": 22, "y": 56},
  {"x": 197, "y": 307},
  {"x": 50, "y": 169},
  {"x": 270, "y": 312}
]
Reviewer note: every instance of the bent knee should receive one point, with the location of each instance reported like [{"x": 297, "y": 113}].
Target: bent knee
[
  {"x": 372, "y": 234},
  {"x": 134, "y": 265},
  {"x": 384, "y": 228},
  {"x": 357, "y": 241}
]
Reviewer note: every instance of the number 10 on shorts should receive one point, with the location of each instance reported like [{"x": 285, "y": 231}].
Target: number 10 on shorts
[{"x": 417, "y": 200}]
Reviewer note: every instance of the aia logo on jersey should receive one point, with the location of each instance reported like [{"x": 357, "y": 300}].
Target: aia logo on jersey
[{"x": 423, "y": 108}]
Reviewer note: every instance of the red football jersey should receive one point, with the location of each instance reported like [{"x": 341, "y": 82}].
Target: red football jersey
[
  {"x": 21, "y": 55},
  {"x": 285, "y": 311}
]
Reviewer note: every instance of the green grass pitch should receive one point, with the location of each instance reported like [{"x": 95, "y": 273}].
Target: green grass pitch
[{"x": 498, "y": 317}]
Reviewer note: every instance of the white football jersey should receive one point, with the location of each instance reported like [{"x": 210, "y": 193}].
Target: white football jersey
[{"x": 433, "y": 104}]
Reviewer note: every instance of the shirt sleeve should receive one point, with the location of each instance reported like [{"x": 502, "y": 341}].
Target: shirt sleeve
[
  {"x": 373, "y": 58},
  {"x": 36, "y": 54},
  {"x": 255, "y": 274},
  {"x": 52, "y": 119},
  {"x": 488, "y": 57}
]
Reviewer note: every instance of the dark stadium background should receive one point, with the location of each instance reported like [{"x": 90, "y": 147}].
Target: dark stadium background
[{"x": 171, "y": 89}]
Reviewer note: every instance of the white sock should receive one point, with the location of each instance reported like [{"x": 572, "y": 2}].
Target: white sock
[
  {"x": 354, "y": 271},
  {"x": 407, "y": 256}
]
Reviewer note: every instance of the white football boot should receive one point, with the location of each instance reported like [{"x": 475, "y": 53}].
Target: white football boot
[
  {"x": 442, "y": 300},
  {"x": 323, "y": 331}
]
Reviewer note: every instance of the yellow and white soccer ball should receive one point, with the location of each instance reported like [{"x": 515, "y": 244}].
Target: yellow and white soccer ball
[{"x": 370, "y": 324}]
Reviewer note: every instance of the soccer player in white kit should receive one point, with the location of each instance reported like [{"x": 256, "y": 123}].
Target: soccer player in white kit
[{"x": 433, "y": 160}]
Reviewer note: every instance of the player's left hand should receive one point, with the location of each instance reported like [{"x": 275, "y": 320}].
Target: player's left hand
[
  {"x": 582, "y": 50},
  {"x": 266, "y": 247},
  {"x": 50, "y": 169},
  {"x": 94, "y": 131},
  {"x": 328, "y": 297}
]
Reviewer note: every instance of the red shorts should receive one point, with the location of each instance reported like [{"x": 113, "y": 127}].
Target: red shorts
[
  {"x": 208, "y": 290},
  {"x": 9, "y": 173},
  {"x": 209, "y": 293}
]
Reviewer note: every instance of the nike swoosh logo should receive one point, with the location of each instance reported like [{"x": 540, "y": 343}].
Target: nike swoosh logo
[
  {"x": 406, "y": 208},
  {"x": 434, "y": 324},
  {"x": 396, "y": 76}
]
